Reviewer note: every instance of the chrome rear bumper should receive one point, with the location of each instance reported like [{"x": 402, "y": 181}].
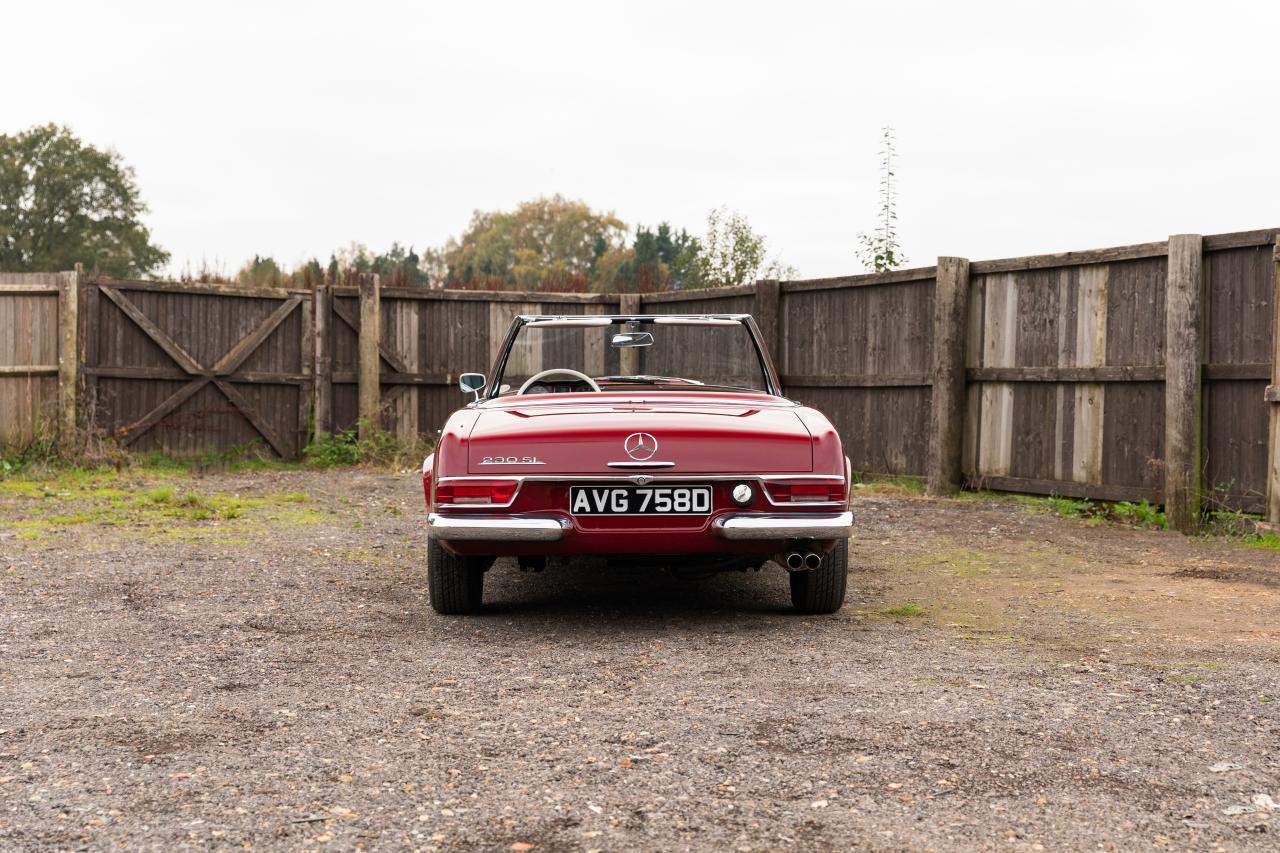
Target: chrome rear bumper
[
  {"x": 496, "y": 529},
  {"x": 838, "y": 525}
]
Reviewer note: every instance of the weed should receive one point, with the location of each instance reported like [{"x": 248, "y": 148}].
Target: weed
[
  {"x": 329, "y": 451},
  {"x": 1233, "y": 524},
  {"x": 41, "y": 453},
  {"x": 1185, "y": 679},
  {"x": 377, "y": 447},
  {"x": 1068, "y": 507},
  {"x": 1266, "y": 541},
  {"x": 159, "y": 495},
  {"x": 901, "y": 610},
  {"x": 1142, "y": 514}
]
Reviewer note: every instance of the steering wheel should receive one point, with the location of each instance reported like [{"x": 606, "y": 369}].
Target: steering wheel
[{"x": 563, "y": 371}]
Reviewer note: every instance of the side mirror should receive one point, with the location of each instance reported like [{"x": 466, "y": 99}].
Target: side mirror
[
  {"x": 472, "y": 383},
  {"x": 624, "y": 340}
]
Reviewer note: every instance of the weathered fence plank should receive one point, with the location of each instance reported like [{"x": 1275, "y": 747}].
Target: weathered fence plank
[
  {"x": 1183, "y": 356},
  {"x": 950, "y": 315},
  {"x": 1272, "y": 397},
  {"x": 30, "y": 365},
  {"x": 370, "y": 334}
]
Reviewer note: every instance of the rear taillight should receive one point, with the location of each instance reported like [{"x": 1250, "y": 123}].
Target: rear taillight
[
  {"x": 805, "y": 493},
  {"x": 476, "y": 492}
]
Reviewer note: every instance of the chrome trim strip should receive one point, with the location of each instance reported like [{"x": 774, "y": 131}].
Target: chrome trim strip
[
  {"x": 826, "y": 526},
  {"x": 574, "y": 478},
  {"x": 482, "y": 529},
  {"x": 642, "y": 465},
  {"x": 519, "y": 481}
]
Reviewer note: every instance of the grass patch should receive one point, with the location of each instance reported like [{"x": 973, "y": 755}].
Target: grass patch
[
  {"x": 301, "y": 516},
  {"x": 961, "y": 563},
  {"x": 902, "y": 485},
  {"x": 901, "y": 611},
  {"x": 1140, "y": 514},
  {"x": 159, "y": 495},
  {"x": 74, "y": 497},
  {"x": 1186, "y": 678},
  {"x": 1266, "y": 541}
]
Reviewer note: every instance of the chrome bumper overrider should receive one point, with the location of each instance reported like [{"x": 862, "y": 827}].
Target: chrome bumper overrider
[
  {"x": 479, "y": 528},
  {"x": 838, "y": 525}
]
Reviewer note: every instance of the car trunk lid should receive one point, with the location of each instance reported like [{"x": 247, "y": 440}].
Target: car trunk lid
[{"x": 698, "y": 437}]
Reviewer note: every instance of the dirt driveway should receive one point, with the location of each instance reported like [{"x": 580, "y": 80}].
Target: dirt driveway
[{"x": 248, "y": 661}]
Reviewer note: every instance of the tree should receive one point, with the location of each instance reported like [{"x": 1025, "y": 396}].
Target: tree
[
  {"x": 63, "y": 202},
  {"x": 658, "y": 259},
  {"x": 259, "y": 272},
  {"x": 879, "y": 251},
  {"x": 733, "y": 253},
  {"x": 547, "y": 243}
]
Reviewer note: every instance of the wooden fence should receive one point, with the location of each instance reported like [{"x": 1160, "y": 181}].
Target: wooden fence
[
  {"x": 1135, "y": 372},
  {"x": 37, "y": 360}
]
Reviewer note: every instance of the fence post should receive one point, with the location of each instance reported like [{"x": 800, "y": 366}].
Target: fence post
[
  {"x": 1183, "y": 357},
  {"x": 323, "y": 362},
  {"x": 768, "y": 318},
  {"x": 947, "y": 399},
  {"x": 68, "y": 358},
  {"x": 629, "y": 357},
  {"x": 370, "y": 360},
  {"x": 1272, "y": 396}
]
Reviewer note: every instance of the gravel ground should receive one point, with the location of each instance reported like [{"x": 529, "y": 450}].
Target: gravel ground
[{"x": 257, "y": 666}]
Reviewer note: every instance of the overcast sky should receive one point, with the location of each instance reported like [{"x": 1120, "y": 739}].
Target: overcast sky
[{"x": 293, "y": 129}]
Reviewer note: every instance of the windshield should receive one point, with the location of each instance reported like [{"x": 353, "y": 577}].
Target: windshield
[{"x": 662, "y": 354}]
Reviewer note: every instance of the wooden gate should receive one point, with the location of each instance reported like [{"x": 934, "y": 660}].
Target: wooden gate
[
  {"x": 197, "y": 369},
  {"x": 425, "y": 339}
]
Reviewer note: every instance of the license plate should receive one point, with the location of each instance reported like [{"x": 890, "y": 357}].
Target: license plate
[{"x": 640, "y": 500}]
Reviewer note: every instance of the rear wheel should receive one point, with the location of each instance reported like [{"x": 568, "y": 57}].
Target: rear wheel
[
  {"x": 455, "y": 584},
  {"x": 821, "y": 590}
]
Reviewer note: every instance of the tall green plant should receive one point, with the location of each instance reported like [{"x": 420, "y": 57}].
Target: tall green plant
[{"x": 879, "y": 251}]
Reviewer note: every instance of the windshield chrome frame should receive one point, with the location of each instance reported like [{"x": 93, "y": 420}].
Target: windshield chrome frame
[{"x": 774, "y": 387}]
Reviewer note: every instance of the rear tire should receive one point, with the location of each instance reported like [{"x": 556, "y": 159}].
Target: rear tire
[
  {"x": 455, "y": 584},
  {"x": 821, "y": 590}
]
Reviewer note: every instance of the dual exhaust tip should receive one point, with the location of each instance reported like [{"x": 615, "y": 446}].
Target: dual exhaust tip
[{"x": 809, "y": 560}]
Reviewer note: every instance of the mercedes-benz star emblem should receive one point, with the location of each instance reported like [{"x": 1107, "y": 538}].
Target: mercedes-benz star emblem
[{"x": 640, "y": 446}]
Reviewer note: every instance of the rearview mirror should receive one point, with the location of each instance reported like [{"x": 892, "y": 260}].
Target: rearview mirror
[
  {"x": 623, "y": 340},
  {"x": 472, "y": 383}
]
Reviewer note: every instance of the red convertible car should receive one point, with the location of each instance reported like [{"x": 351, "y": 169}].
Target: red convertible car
[{"x": 663, "y": 438}]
